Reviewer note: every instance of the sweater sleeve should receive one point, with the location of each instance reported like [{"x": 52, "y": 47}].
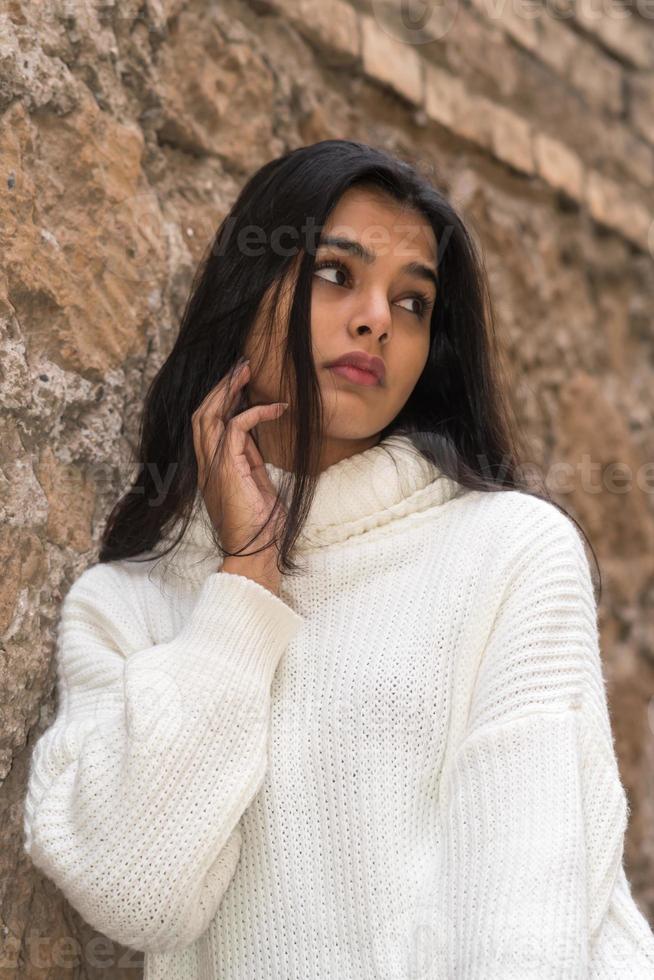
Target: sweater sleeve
[
  {"x": 532, "y": 883},
  {"x": 136, "y": 789}
]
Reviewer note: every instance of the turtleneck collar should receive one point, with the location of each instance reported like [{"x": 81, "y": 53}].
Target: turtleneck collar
[{"x": 354, "y": 495}]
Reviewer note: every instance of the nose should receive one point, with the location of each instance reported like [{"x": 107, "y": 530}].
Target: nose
[{"x": 373, "y": 316}]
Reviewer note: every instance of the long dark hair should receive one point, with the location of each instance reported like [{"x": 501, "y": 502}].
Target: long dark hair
[{"x": 458, "y": 415}]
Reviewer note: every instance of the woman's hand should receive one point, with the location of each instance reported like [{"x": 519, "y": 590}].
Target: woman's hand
[{"x": 237, "y": 490}]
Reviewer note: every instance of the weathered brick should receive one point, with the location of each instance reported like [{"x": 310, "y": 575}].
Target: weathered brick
[
  {"x": 613, "y": 24},
  {"x": 612, "y": 206},
  {"x": 475, "y": 118},
  {"x": 558, "y": 44},
  {"x": 629, "y": 153},
  {"x": 558, "y": 165},
  {"x": 390, "y": 61},
  {"x": 641, "y": 103},
  {"x": 516, "y": 21},
  {"x": 511, "y": 137},
  {"x": 474, "y": 49},
  {"x": 334, "y": 25},
  {"x": 598, "y": 77},
  {"x": 448, "y": 102},
  {"x": 330, "y": 25}
]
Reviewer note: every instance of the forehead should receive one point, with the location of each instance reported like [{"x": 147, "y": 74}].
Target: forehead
[{"x": 382, "y": 224}]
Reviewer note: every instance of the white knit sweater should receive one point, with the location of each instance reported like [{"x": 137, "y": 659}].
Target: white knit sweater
[{"x": 401, "y": 768}]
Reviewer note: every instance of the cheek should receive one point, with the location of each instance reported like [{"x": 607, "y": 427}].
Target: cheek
[
  {"x": 265, "y": 353},
  {"x": 412, "y": 360},
  {"x": 422, "y": 351},
  {"x": 323, "y": 333},
  {"x": 267, "y": 380}
]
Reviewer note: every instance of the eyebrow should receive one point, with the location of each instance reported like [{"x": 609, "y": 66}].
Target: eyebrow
[{"x": 417, "y": 269}]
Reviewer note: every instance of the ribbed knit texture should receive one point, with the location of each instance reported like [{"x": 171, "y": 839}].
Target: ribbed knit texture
[{"x": 401, "y": 767}]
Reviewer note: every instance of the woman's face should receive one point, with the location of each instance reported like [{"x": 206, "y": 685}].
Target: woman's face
[{"x": 364, "y": 298}]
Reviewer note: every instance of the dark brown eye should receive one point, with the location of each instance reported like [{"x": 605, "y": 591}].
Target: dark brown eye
[
  {"x": 425, "y": 303},
  {"x": 335, "y": 266}
]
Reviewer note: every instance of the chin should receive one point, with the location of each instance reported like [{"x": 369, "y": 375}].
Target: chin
[{"x": 349, "y": 432}]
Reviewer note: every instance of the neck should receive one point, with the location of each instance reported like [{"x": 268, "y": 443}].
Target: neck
[
  {"x": 274, "y": 445},
  {"x": 376, "y": 487}
]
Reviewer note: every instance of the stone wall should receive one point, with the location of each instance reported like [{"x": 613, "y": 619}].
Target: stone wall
[{"x": 128, "y": 128}]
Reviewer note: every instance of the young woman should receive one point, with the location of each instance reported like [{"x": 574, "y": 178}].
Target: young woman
[{"x": 331, "y": 702}]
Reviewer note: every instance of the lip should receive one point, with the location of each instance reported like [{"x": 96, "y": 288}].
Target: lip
[
  {"x": 356, "y": 375},
  {"x": 367, "y": 369}
]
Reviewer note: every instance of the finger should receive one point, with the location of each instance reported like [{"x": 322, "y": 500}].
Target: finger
[
  {"x": 250, "y": 417},
  {"x": 239, "y": 426},
  {"x": 254, "y": 455},
  {"x": 257, "y": 466},
  {"x": 206, "y": 435},
  {"x": 213, "y": 423}
]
